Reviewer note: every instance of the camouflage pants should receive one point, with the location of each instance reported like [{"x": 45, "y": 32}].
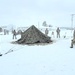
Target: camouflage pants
[
  {"x": 14, "y": 37},
  {"x": 58, "y": 35}
]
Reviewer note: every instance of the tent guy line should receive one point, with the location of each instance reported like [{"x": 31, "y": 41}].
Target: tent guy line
[{"x": 11, "y": 50}]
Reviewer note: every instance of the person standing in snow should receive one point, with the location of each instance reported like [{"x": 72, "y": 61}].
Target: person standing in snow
[
  {"x": 46, "y": 32},
  {"x": 4, "y": 31},
  {"x": 74, "y": 34},
  {"x": 73, "y": 40},
  {"x": 58, "y": 32},
  {"x": 14, "y": 34},
  {"x": 52, "y": 33}
]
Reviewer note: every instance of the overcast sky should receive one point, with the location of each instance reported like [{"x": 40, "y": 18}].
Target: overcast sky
[{"x": 28, "y": 12}]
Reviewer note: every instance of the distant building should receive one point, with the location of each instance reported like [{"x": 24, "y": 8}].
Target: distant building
[{"x": 22, "y": 28}]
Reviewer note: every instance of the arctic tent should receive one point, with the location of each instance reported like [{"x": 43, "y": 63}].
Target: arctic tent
[{"x": 33, "y": 35}]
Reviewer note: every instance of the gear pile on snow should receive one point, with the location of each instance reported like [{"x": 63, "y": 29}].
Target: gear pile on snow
[{"x": 32, "y": 35}]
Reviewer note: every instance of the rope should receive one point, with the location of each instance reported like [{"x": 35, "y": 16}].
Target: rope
[{"x": 11, "y": 50}]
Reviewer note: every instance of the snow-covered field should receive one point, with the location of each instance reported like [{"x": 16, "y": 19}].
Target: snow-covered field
[{"x": 52, "y": 59}]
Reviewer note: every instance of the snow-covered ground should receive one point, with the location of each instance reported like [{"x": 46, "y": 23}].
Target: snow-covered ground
[{"x": 52, "y": 59}]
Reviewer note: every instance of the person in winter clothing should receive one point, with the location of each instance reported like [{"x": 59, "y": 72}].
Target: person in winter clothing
[
  {"x": 4, "y": 31},
  {"x": 58, "y": 32},
  {"x": 52, "y": 34},
  {"x": 73, "y": 40},
  {"x": 46, "y": 32},
  {"x": 14, "y": 34},
  {"x": 74, "y": 34}
]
